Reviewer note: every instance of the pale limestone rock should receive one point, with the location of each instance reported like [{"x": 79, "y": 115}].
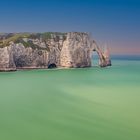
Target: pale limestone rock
[
  {"x": 76, "y": 51},
  {"x": 6, "y": 59},
  {"x": 29, "y": 58},
  {"x": 73, "y": 51}
]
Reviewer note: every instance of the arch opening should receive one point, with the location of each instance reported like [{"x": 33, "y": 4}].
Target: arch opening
[
  {"x": 52, "y": 66},
  {"x": 95, "y": 59}
]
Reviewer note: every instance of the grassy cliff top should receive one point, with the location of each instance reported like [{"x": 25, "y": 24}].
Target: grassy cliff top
[{"x": 6, "y": 38}]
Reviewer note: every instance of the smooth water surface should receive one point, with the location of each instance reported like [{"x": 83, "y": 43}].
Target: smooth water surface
[{"x": 72, "y": 104}]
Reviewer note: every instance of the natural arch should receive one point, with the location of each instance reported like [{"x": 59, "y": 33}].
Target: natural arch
[
  {"x": 104, "y": 59},
  {"x": 52, "y": 66}
]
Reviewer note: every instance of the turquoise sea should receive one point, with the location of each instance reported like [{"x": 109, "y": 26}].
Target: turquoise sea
[{"x": 72, "y": 104}]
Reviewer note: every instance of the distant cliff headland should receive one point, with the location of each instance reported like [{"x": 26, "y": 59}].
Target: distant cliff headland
[{"x": 48, "y": 50}]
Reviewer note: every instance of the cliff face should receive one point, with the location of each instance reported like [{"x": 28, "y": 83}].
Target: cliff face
[
  {"x": 32, "y": 51},
  {"x": 6, "y": 59},
  {"x": 35, "y": 58},
  {"x": 76, "y": 51}
]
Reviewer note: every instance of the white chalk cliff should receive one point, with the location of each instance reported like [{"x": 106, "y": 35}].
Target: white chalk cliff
[{"x": 32, "y": 51}]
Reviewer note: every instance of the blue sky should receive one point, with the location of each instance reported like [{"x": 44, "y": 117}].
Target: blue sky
[{"x": 112, "y": 22}]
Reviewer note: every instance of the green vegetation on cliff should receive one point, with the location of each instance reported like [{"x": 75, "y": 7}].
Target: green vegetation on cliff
[{"x": 5, "y": 39}]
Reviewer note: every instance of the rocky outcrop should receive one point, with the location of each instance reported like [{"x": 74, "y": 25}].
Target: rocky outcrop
[
  {"x": 104, "y": 56},
  {"x": 6, "y": 59},
  {"x": 76, "y": 51},
  {"x": 32, "y": 51}
]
